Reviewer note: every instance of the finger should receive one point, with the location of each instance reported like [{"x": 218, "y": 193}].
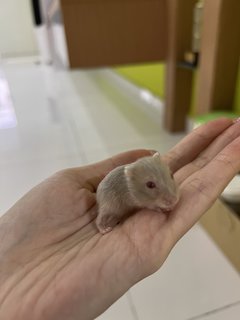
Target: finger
[
  {"x": 201, "y": 190},
  {"x": 93, "y": 174},
  {"x": 195, "y": 142},
  {"x": 208, "y": 154}
]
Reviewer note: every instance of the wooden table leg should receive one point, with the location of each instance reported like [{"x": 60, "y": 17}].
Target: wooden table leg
[{"x": 179, "y": 80}]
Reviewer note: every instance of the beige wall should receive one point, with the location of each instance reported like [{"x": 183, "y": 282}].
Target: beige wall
[{"x": 16, "y": 28}]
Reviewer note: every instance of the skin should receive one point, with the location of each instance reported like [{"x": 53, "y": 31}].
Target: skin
[{"x": 54, "y": 264}]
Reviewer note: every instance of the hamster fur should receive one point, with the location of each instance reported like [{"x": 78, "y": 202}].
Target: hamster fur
[{"x": 146, "y": 183}]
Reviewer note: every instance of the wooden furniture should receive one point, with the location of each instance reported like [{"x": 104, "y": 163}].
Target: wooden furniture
[
  {"x": 219, "y": 60},
  {"x": 107, "y": 33},
  {"x": 178, "y": 79},
  {"x": 223, "y": 226},
  {"x": 114, "y": 32},
  {"x": 220, "y": 52}
]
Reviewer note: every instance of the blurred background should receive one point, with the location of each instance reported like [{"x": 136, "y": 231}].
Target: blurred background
[{"x": 82, "y": 80}]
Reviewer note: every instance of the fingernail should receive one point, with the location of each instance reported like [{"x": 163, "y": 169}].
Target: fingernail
[{"x": 236, "y": 120}]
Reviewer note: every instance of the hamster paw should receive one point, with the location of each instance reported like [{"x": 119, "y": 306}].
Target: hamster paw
[
  {"x": 105, "y": 223},
  {"x": 105, "y": 230}
]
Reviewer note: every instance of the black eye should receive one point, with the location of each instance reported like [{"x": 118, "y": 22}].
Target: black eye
[
  {"x": 151, "y": 185},
  {"x": 172, "y": 175}
]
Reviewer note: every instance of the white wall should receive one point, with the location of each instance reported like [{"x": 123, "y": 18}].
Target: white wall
[{"x": 16, "y": 28}]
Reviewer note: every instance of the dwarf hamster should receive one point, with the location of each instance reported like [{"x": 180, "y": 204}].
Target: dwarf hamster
[{"x": 146, "y": 183}]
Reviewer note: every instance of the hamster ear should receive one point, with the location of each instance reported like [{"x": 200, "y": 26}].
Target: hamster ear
[
  {"x": 157, "y": 155},
  {"x": 128, "y": 171}
]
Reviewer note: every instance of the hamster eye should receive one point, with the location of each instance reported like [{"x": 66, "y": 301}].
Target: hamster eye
[
  {"x": 151, "y": 185},
  {"x": 172, "y": 175}
]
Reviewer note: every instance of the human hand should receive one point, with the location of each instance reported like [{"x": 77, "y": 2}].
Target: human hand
[{"x": 53, "y": 262}]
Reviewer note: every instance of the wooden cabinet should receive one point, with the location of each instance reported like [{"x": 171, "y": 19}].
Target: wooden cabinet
[{"x": 107, "y": 33}]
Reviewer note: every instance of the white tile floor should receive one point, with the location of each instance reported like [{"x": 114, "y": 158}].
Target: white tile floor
[{"x": 68, "y": 119}]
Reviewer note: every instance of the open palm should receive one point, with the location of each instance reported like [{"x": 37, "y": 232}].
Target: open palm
[{"x": 53, "y": 262}]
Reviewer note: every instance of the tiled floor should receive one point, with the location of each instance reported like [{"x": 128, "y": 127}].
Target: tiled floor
[{"x": 68, "y": 119}]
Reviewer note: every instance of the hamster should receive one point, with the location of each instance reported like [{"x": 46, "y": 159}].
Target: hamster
[{"x": 146, "y": 183}]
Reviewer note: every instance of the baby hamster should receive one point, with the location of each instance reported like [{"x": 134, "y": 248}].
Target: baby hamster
[{"x": 146, "y": 183}]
